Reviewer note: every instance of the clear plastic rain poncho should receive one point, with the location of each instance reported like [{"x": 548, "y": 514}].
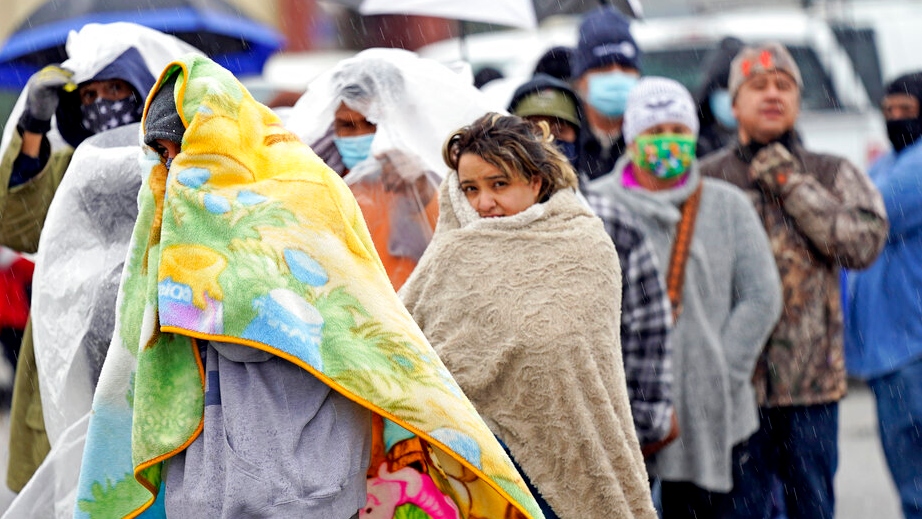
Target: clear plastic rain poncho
[
  {"x": 78, "y": 268},
  {"x": 95, "y": 46},
  {"x": 79, "y": 250},
  {"x": 79, "y": 261},
  {"x": 416, "y": 104}
]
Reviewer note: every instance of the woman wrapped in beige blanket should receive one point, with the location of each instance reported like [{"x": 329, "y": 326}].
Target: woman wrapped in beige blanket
[{"x": 519, "y": 293}]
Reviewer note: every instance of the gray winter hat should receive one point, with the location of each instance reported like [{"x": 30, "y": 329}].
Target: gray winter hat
[
  {"x": 656, "y": 100},
  {"x": 162, "y": 120},
  {"x": 767, "y": 57}
]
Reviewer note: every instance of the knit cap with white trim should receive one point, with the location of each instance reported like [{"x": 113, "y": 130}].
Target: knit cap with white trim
[{"x": 657, "y": 100}]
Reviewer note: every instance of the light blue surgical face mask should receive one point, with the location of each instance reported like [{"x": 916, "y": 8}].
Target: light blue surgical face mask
[
  {"x": 608, "y": 92},
  {"x": 354, "y": 149},
  {"x": 722, "y": 108}
]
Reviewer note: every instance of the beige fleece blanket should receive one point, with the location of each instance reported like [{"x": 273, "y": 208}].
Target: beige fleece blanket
[{"x": 525, "y": 311}]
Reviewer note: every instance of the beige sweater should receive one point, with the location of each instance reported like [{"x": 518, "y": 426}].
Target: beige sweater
[{"x": 524, "y": 311}]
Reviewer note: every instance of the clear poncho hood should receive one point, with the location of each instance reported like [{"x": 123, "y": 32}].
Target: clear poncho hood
[{"x": 415, "y": 102}]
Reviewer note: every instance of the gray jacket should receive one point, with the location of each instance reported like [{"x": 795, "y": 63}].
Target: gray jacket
[
  {"x": 731, "y": 301},
  {"x": 276, "y": 443}
]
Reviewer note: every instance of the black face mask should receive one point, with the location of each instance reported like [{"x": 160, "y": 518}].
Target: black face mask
[{"x": 903, "y": 132}]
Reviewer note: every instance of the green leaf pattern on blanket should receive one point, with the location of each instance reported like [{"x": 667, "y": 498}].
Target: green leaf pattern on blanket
[
  {"x": 108, "y": 497},
  {"x": 240, "y": 224},
  {"x": 409, "y": 511},
  {"x": 132, "y": 308},
  {"x": 372, "y": 344},
  {"x": 170, "y": 407}
]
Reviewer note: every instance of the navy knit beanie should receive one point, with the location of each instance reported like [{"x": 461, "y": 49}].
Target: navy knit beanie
[
  {"x": 604, "y": 38},
  {"x": 163, "y": 121}
]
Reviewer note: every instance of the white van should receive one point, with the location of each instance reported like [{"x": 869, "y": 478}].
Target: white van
[
  {"x": 837, "y": 115},
  {"x": 884, "y": 35}
]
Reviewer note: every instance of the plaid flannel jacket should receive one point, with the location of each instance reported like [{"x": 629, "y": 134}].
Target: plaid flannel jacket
[{"x": 646, "y": 318}]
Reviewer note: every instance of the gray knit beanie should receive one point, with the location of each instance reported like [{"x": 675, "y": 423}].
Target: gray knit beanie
[
  {"x": 656, "y": 100},
  {"x": 757, "y": 60},
  {"x": 163, "y": 121}
]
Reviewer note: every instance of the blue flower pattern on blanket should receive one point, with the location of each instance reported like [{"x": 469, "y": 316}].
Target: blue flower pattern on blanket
[{"x": 285, "y": 320}]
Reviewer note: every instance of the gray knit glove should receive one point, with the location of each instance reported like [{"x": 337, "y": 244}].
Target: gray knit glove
[{"x": 45, "y": 88}]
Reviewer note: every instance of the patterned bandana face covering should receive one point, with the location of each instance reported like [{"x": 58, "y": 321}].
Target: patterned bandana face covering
[
  {"x": 105, "y": 114},
  {"x": 667, "y": 156}
]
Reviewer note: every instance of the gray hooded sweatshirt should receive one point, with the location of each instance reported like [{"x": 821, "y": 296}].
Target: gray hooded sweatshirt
[{"x": 277, "y": 443}]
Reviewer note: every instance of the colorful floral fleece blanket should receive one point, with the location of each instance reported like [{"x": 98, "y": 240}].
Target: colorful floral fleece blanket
[{"x": 250, "y": 239}]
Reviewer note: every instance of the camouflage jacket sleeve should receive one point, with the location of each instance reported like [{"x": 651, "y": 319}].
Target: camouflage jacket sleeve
[
  {"x": 844, "y": 220},
  {"x": 24, "y": 207}
]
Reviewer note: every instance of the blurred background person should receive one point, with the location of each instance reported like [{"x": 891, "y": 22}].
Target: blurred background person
[
  {"x": 378, "y": 119},
  {"x": 100, "y": 87},
  {"x": 556, "y": 62},
  {"x": 645, "y": 313},
  {"x": 821, "y": 214},
  {"x": 485, "y": 75},
  {"x": 15, "y": 293},
  {"x": 519, "y": 294},
  {"x": 605, "y": 67},
  {"x": 546, "y": 98},
  {"x": 883, "y": 340},
  {"x": 715, "y": 108},
  {"x": 81, "y": 105},
  {"x": 722, "y": 284},
  {"x": 79, "y": 264}
]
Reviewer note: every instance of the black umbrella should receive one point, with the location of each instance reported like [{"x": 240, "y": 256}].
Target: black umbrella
[{"x": 216, "y": 27}]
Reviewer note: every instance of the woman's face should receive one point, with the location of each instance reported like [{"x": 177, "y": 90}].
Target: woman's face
[{"x": 491, "y": 192}]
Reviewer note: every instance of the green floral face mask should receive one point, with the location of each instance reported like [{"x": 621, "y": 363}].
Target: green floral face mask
[{"x": 665, "y": 155}]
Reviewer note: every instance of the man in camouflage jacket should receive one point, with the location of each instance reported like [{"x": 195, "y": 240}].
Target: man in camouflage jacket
[{"x": 821, "y": 213}]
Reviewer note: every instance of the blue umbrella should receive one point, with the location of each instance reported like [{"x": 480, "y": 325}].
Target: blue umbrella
[{"x": 237, "y": 42}]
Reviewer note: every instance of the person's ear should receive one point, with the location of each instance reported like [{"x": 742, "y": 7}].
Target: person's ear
[{"x": 535, "y": 185}]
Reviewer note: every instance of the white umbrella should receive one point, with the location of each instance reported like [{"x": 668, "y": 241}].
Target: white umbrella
[
  {"x": 514, "y": 13},
  {"x": 526, "y": 14}
]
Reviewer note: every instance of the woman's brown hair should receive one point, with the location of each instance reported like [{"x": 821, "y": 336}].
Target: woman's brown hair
[{"x": 517, "y": 147}]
